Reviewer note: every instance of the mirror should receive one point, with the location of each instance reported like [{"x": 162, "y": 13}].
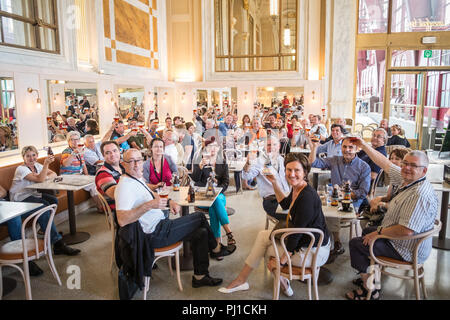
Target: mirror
[
  {"x": 72, "y": 106},
  {"x": 269, "y": 96},
  {"x": 8, "y": 116},
  {"x": 131, "y": 103}
]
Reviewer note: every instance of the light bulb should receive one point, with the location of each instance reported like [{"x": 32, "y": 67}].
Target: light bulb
[
  {"x": 287, "y": 36},
  {"x": 38, "y": 103},
  {"x": 273, "y": 7}
]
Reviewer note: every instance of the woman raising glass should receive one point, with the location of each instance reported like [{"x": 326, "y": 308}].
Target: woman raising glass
[{"x": 158, "y": 168}]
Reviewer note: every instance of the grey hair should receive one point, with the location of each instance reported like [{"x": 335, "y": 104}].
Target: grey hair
[
  {"x": 421, "y": 155},
  {"x": 384, "y": 133},
  {"x": 88, "y": 136},
  {"x": 73, "y": 133},
  {"x": 28, "y": 148}
]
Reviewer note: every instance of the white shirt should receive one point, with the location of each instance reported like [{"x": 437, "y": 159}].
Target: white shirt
[
  {"x": 171, "y": 150},
  {"x": 17, "y": 190},
  {"x": 130, "y": 194}
]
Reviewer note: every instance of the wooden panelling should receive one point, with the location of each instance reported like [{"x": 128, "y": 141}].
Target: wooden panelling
[
  {"x": 132, "y": 59},
  {"x": 108, "y": 54},
  {"x": 132, "y": 25},
  {"x": 144, "y": 2},
  {"x": 155, "y": 34},
  {"x": 154, "y": 5},
  {"x": 106, "y": 19},
  {"x": 180, "y": 7}
]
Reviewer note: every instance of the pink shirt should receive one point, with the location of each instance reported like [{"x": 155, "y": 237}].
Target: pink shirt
[{"x": 155, "y": 177}]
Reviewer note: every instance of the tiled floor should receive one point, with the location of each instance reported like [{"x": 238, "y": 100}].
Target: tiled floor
[{"x": 97, "y": 282}]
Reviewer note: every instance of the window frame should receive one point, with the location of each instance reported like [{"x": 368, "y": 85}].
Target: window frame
[
  {"x": 228, "y": 57},
  {"x": 36, "y": 23}
]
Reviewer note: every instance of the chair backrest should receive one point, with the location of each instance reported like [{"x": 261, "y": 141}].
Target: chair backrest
[
  {"x": 183, "y": 174},
  {"x": 373, "y": 125},
  {"x": 109, "y": 214},
  {"x": 421, "y": 237},
  {"x": 35, "y": 216},
  {"x": 284, "y": 142},
  {"x": 359, "y": 127},
  {"x": 366, "y": 132},
  {"x": 306, "y": 231}
]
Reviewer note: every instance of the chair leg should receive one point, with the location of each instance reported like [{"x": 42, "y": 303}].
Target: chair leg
[
  {"x": 146, "y": 287},
  {"x": 26, "y": 278},
  {"x": 276, "y": 287},
  {"x": 416, "y": 283},
  {"x": 309, "y": 289},
  {"x": 422, "y": 282},
  {"x": 267, "y": 223},
  {"x": 169, "y": 260},
  {"x": 51, "y": 264},
  {"x": 113, "y": 253},
  {"x": 177, "y": 266}
]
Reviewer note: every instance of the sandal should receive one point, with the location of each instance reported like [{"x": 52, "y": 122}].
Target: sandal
[
  {"x": 224, "y": 251},
  {"x": 231, "y": 240},
  {"x": 375, "y": 295}
]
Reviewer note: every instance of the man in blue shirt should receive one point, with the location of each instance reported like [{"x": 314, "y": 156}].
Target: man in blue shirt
[
  {"x": 334, "y": 146},
  {"x": 347, "y": 167},
  {"x": 378, "y": 141},
  {"x": 227, "y": 125},
  {"x": 120, "y": 137}
]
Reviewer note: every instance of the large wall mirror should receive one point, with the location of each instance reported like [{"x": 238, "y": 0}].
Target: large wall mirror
[
  {"x": 269, "y": 96},
  {"x": 72, "y": 106},
  {"x": 8, "y": 115},
  {"x": 255, "y": 35},
  {"x": 131, "y": 103}
]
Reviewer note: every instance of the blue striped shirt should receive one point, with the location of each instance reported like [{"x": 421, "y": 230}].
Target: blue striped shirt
[{"x": 332, "y": 149}]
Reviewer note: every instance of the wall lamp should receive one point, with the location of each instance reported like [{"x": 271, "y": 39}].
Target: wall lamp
[
  {"x": 313, "y": 96},
  {"x": 54, "y": 97},
  {"x": 38, "y": 100},
  {"x": 165, "y": 96}
]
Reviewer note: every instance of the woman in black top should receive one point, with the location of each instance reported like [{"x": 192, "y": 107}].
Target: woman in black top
[
  {"x": 305, "y": 211},
  {"x": 398, "y": 137},
  {"x": 218, "y": 215}
]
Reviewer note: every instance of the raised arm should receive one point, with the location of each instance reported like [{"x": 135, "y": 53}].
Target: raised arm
[{"x": 377, "y": 157}]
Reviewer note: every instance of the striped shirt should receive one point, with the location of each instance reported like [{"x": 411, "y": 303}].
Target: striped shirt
[
  {"x": 106, "y": 178},
  {"x": 76, "y": 167},
  {"x": 415, "y": 208}
]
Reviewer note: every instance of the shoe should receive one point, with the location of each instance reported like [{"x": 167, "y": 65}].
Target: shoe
[
  {"x": 34, "y": 270},
  {"x": 60, "y": 247},
  {"x": 241, "y": 287},
  {"x": 288, "y": 292},
  {"x": 206, "y": 281},
  {"x": 224, "y": 251},
  {"x": 331, "y": 258},
  {"x": 338, "y": 248}
]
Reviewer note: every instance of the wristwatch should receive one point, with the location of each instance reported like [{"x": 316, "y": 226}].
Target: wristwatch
[{"x": 379, "y": 229}]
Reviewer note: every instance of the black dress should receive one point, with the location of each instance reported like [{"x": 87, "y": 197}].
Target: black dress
[
  {"x": 396, "y": 140},
  {"x": 200, "y": 176},
  {"x": 306, "y": 212}
]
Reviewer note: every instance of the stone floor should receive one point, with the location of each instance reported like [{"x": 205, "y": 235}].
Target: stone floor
[{"x": 98, "y": 282}]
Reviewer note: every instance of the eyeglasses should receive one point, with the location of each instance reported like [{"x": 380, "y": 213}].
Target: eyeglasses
[
  {"x": 411, "y": 165},
  {"x": 134, "y": 161},
  {"x": 378, "y": 136}
]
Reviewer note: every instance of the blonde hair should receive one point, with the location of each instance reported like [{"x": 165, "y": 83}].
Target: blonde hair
[
  {"x": 27, "y": 149},
  {"x": 399, "y": 128}
]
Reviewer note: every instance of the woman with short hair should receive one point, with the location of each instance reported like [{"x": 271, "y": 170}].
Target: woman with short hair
[
  {"x": 158, "y": 168},
  {"x": 398, "y": 137}
]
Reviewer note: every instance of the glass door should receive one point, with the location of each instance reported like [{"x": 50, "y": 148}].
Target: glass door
[{"x": 406, "y": 104}]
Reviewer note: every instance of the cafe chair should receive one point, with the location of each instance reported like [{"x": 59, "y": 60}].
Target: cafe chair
[
  {"x": 379, "y": 264},
  {"x": 29, "y": 249},
  {"x": 284, "y": 142},
  {"x": 302, "y": 272},
  {"x": 269, "y": 219},
  {"x": 373, "y": 125},
  {"x": 169, "y": 251},
  {"x": 366, "y": 133},
  {"x": 359, "y": 127},
  {"x": 183, "y": 174},
  {"x": 111, "y": 225}
]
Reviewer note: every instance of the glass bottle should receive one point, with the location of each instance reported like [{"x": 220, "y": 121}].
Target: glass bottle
[
  {"x": 176, "y": 183},
  {"x": 335, "y": 196}
]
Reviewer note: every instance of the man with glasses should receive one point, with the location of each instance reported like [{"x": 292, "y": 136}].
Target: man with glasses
[
  {"x": 347, "y": 167},
  {"x": 135, "y": 202},
  {"x": 412, "y": 210},
  {"x": 378, "y": 141}
]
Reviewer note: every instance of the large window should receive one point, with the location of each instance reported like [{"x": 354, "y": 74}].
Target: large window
[
  {"x": 30, "y": 24},
  {"x": 8, "y": 122},
  {"x": 255, "y": 35}
]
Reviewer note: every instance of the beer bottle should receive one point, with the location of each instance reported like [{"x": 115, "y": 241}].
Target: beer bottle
[
  {"x": 335, "y": 196},
  {"x": 176, "y": 183},
  {"x": 191, "y": 194}
]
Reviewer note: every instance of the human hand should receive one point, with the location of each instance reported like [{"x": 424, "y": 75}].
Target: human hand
[
  {"x": 158, "y": 202},
  {"x": 369, "y": 238},
  {"x": 175, "y": 208},
  {"x": 49, "y": 160}
]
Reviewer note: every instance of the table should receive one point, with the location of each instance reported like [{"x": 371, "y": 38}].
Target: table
[
  {"x": 316, "y": 172},
  {"x": 180, "y": 197},
  {"x": 70, "y": 183},
  {"x": 8, "y": 211},
  {"x": 237, "y": 166},
  {"x": 325, "y": 275},
  {"x": 300, "y": 150},
  {"x": 441, "y": 242}
]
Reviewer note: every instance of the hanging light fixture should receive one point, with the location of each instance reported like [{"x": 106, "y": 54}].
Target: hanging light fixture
[
  {"x": 287, "y": 29},
  {"x": 273, "y": 7}
]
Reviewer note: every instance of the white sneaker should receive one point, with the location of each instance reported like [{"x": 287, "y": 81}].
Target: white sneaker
[
  {"x": 288, "y": 292},
  {"x": 241, "y": 287}
]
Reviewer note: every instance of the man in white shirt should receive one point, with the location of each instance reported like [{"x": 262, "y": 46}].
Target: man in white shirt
[
  {"x": 265, "y": 187},
  {"x": 170, "y": 149},
  {"x": 92, "y": 154},
  {"x": 318, "y": 128},
  {"x": 135, "y": 202}
]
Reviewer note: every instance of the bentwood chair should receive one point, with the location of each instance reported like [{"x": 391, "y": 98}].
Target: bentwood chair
[
  {"x": 169, "y": 251},
  {"x": 303, "y": 272},
  {"x": 29, "y": 249},
  {"x": 378, "y": 264},
  {"x": 111, "y": 225},
  {"x": 359, "y": 127}
]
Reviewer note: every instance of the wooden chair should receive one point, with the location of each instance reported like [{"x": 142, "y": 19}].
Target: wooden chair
[
  {"x": 292, "y": 272},
  {"x": 366, "y": 133},
  {"x": 29, "y": 249},
  {"x": 359, "y": 127},
  {"x": 269, "y": 218},
  {"x": 373, "y": 125},
  {"x": 111, "y": 225},
  {"x": 169, "y": 251},
  {"x": 380, "y": 263}
]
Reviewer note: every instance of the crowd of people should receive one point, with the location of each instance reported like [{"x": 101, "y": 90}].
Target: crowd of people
[{"x": 132, "y": 167}]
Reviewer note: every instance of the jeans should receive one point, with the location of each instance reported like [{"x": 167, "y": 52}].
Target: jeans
[
  {"x": 270, "y": 206},
  {"x": 193, "y": 227},
  {"x": 359, "y": 253},
  {"x": 15, "y": 224},
  {"x": 218, "y": 215}
]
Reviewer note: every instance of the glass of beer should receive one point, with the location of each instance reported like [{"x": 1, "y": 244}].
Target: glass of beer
[
  {"x": 141, "y": 126},
  {"x": 134, "y": 129},
  {"x": 49, "y": 118},
  {"x": 80, "y": 145},
  {"x": 116, "y": 119}
]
